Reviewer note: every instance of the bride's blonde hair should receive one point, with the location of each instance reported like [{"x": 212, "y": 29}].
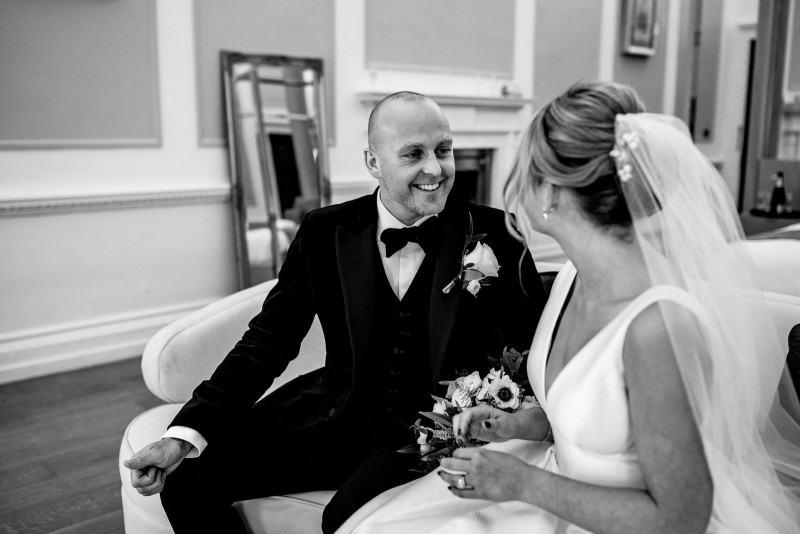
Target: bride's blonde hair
[{"x": 567, "y": 144}]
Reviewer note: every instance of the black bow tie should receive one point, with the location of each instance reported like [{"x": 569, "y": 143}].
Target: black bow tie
[{"x": 425, "y": 235}]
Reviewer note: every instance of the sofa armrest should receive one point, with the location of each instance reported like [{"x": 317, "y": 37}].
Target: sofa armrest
[
  {"x": 187, "y": 351},
  {"x": 785, "y": 312},
  {"x": 777, "y": 262}
]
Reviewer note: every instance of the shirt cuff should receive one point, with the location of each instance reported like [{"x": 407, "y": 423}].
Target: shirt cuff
[{"x": 191, "y": 435}]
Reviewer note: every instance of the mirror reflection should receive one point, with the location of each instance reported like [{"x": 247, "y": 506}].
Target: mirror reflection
[{"x": 277, "y": 148}]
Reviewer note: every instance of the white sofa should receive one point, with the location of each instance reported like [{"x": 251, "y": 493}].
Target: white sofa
[
  {"x": 187, "y": 351},
  {"x": 174, "y": 362}
]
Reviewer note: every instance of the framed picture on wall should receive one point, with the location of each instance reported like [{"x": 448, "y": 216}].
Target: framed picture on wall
[{"x": 639, "y": 27}]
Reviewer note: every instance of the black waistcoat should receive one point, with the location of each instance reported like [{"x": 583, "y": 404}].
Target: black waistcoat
[{"x": 401, "y": 366}]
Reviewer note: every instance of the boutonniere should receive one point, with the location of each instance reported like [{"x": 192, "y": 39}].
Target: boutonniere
[{"x": 476, "y": 266}]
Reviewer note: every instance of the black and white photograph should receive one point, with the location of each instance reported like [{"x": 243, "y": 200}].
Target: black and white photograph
[{"x": 399, "y": 267}]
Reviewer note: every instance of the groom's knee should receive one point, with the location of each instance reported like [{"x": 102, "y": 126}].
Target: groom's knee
[
  {"x": 179, "y": 486},
  {"x": 193, "y": 481},
  {"x": 333, "y": 517}
]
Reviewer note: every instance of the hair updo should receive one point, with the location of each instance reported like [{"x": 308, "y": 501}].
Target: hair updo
[{"x": 568, "y": 144}]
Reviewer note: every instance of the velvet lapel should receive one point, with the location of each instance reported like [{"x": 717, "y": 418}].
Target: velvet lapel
[
  {"x": 444, "y": 307},
  {"x": 355, "y": 256}
]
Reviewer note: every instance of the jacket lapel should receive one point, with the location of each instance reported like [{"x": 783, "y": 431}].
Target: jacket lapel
[
  {"x": 444, "y": 307},
  {"x": 355, "y": 251}
]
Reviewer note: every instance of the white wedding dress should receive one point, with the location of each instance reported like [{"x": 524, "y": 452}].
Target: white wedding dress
[{"x": 588, "y": 409}]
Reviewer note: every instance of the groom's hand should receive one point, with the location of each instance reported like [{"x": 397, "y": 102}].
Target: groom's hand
[{"x": 151, "y": 465}]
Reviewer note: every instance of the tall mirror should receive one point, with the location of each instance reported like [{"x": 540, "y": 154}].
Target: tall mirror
[{"x": 277, "y": 149}]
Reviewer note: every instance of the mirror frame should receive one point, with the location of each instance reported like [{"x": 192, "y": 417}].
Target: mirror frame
[{"x": 234, "y": 141}]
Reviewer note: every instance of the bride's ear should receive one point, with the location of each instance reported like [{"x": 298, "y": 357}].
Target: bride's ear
[{"x": 548, "y": 195}]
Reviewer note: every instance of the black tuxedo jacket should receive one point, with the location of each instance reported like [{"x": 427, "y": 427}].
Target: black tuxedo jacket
[{"x": 330, "y": 271}]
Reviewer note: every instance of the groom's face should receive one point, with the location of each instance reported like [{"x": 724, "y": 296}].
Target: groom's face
[{"x": 413, "y": 159}]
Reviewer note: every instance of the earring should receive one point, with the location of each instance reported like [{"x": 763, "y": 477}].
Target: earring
[{"x": 546, "y": 211}]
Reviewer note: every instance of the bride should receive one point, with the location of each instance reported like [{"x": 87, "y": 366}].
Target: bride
[{"x": 655, "y": 363}]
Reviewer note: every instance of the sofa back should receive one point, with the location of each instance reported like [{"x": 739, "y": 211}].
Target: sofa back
[
  {"x": 777, "y": 262},
  {"x": 186, "y": 351}
]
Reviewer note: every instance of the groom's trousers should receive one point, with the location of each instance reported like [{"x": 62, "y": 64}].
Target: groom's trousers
[{"x": 359, "y": 461}]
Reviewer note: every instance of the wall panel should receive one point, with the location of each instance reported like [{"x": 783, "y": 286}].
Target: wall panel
[
  {"x": 77, "y": 73},
  {"x": 707, "y": 73},
  {"x": 279, "y": 27},
  {"x": 567, "y": 46},
  {"x": 450, "y": 35},
  {"x": 646, "y": 73},
  {"x": 793, "y": 47}
]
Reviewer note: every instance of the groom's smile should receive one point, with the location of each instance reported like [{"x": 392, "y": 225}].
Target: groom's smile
[{"x": 428, "y": 187}]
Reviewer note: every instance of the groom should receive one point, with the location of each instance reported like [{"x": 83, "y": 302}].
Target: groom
[{"x": 391, "y": 334}]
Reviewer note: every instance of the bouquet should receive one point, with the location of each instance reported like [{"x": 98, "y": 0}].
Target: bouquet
[{"x": 501, "y": 388}]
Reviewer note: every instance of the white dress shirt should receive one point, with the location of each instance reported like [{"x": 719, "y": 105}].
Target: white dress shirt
[
  {"x": 400, "y": 270},
  {"x": 403, "y": 265}
]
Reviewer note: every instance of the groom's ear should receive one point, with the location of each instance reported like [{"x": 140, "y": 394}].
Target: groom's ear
[{"x": 371, "y": 163}]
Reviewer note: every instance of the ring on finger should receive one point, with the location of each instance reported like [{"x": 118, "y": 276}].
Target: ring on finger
[{"x": 461, "y": 483}]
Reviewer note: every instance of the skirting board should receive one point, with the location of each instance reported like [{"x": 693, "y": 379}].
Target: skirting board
[{"x": 43, "y": 351}]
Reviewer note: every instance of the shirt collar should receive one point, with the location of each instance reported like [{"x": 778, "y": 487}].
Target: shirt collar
[{"x": 387, "y": 220}]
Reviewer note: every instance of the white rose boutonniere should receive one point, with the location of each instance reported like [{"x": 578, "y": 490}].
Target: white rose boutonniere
[
  {"x": 483, "y": 260},
  {"x": 477, "y": 266}
]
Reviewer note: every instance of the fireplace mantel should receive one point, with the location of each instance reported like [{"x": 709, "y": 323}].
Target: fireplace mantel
[{"x": 373, "y": 97}]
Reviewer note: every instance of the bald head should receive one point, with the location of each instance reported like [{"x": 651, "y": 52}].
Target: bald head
[{"x": 373, "y": 137}]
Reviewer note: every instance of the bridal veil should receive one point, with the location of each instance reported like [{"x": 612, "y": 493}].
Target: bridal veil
[{"x": 742, "y": 398}]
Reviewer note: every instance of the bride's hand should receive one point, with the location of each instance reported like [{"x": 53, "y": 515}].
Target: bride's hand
[
  {"x": 486, "y": 474},
  {"x": 484, "y": 423}
]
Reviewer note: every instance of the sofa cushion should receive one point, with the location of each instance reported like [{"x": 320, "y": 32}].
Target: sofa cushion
[{"x": 300, "y": 513}]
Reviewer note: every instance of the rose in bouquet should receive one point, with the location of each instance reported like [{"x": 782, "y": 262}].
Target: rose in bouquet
[{"x": 435, "y": 438}]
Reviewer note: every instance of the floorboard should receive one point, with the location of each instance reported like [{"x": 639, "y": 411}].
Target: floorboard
[{"x": 59, "y": 445}]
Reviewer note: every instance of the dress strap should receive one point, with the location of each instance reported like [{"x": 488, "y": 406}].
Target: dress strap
[{"x": 662, "y": 293}]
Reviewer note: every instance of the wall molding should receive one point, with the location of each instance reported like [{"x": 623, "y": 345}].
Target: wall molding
[
  {"x": 38, "y": 144},
  {"x": 42, "y": 351},
  {"x": 212, "y": 142},
  {"x": 125, "y": 201},
  {"x": 500, "y": 130},
  {"x": 391, "y": 66}
]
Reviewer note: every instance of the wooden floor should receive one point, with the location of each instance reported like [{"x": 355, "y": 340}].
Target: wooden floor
[{"x": 59, "y": 446}]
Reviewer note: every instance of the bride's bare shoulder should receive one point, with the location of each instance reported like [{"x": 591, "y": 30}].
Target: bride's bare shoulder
[{"x": 658, "y": 333}]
